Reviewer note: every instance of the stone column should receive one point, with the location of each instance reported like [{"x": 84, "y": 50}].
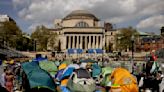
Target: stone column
[
  {"x": 97, "y": 41},
  {"x": 100, "y": 46},
  {"x": 69, "y": 42},
  {"x": 73, "y": 42},
  {"x": 77, "y": 42},
  {"x": 93, "y": 43},
  {"x": 86, "y": 42},
  {"x": 81, "y": 42},
  {"x": 89, "y": 43}
]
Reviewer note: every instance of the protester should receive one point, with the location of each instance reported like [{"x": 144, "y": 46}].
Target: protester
[{"x": 9, "y": 77}]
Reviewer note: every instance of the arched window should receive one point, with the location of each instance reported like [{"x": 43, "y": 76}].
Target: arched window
[{"x": 82, "y": 24}]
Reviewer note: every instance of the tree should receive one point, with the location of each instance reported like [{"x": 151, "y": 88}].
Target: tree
[
  {"x": 53, "y": 41},
  {"x": 41, "y": 35},
  {"x": 123, "y": 38},
  {"x": 10, "y": 33}
]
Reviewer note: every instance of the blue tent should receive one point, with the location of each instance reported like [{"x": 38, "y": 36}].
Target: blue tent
[
  {"x": 99, "y": 50},
  {"x": 67, "y": 73},
  {"x": 71, "y": 51},
  {"x": 79, "y": 51},
  {"x": 58, "y": 75},
  {"x": 91, "y": 51}
]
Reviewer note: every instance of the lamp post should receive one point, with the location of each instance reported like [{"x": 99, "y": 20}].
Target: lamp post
[{"x": 132, "y": 40}]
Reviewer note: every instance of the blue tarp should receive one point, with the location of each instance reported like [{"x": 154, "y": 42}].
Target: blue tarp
[
  {"x": 71, "y": 51},
  {"x": 79, "y": 51},
  {"x": 99, "y": 50},
  {"x": 91, "y": 51}
]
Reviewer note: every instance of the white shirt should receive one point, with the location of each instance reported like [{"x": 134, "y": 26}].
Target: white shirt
[{"x": 2, "y": 80}]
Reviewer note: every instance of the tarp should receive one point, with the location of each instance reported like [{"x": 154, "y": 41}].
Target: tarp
[
  {"x": 99, "y": 51},
  {"x": 91, "y": 51},
  {"x": 49, "y": 66},
  {"x": 79, "y": 51},
  {"x": 37, "y": 77},
  {"x": 70, "y": 51},
  {"x": 122, "y": 77}
]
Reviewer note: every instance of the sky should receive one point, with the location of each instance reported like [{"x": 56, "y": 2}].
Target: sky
[{"x": 143, "y": 15}]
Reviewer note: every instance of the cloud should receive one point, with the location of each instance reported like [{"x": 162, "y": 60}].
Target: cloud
[
  {"x": 114, "y": 11},
  {"x": 153, "y": 21}
]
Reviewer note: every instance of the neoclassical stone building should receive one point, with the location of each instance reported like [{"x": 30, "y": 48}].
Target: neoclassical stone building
[{"x": 82, "y": 30}]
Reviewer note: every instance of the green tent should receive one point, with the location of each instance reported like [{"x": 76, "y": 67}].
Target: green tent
[
  {"x": 106, "y": 72},
  {"x": 66, "y": 62},
  {"x": 37, "y": 77},
  {"x": 49, "y": 66}
]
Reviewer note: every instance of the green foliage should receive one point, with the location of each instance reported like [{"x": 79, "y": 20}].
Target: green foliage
[
  {"x": 123, "y": 38},
  {"x": 41, "y": 35},
  {"x": 10, "y": 33},
  {"x": 52, "y": 41}
]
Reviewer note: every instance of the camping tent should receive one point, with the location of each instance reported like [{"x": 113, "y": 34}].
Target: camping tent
[
  {"x": 122, "y": 77},
  {"x": 49, "y": 66},
  {"x": 37, "y": 77}
]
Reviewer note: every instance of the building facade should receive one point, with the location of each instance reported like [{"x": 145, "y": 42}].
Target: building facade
[{"x": 82, "y": 30}]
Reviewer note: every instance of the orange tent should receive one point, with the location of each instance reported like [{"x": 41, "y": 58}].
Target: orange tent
[
  {"x": 62, "y": 66},
  {"x": 122, "y": 77}
]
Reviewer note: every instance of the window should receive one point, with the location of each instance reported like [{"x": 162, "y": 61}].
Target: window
[{"x": 82, "y": 24}]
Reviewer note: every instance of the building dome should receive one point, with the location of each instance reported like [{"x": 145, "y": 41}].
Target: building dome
[{"x": 80, "y": 14}]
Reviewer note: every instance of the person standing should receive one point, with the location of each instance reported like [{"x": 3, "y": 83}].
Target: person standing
[
  {"x": 9, "y": 81},
  {"x": 2, "y": 80}
]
